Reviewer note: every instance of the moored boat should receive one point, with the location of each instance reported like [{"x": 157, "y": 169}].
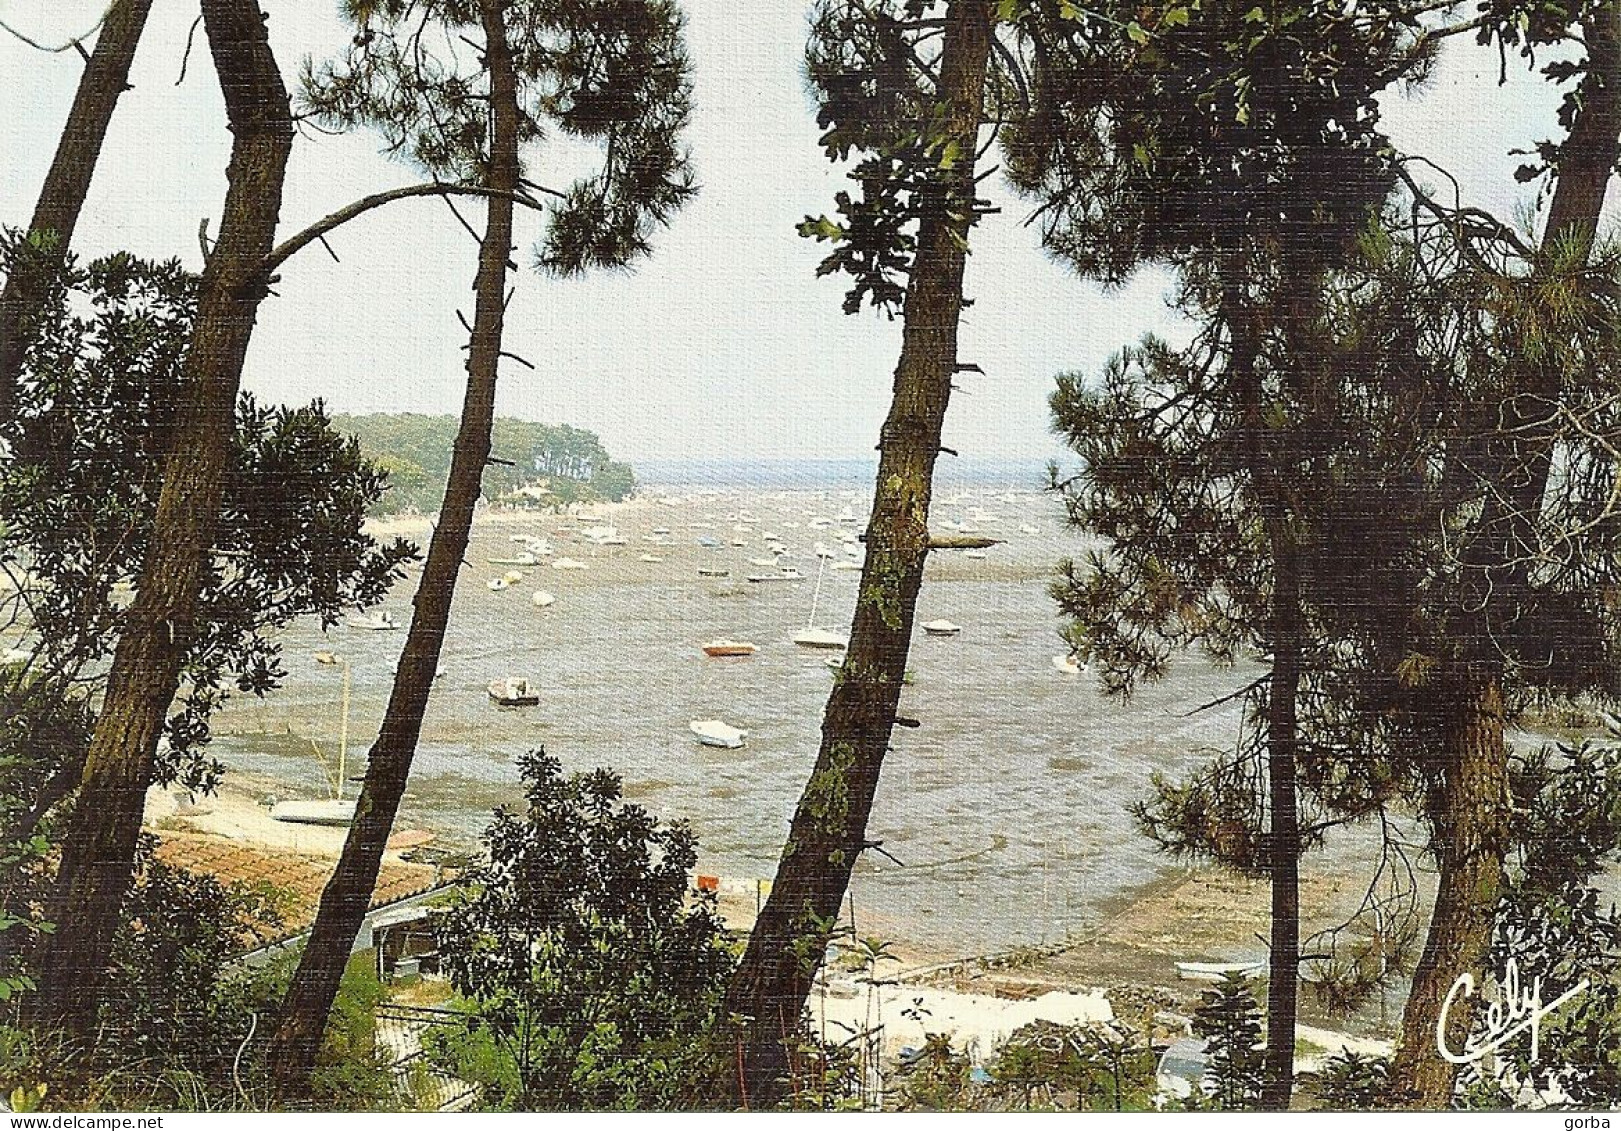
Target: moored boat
[
  {"x": 713, "y": 732},
  {"x": 513, "y": 691},
  {"x": 730, "y": 648}
]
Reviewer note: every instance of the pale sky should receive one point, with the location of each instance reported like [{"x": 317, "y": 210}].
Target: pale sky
[{"x": 723, "y": 344}]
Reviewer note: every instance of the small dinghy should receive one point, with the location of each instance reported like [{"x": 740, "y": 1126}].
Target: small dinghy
[
  {"x": 496, "y": 584},
  {"x": 1069, "y": 665},
  {"x": 542, "y": 599},
  {"x": 513, "y": 691},
  {"x": 713, "y": 732},
  {"x": 730, "y": 648},
  {"x": 942, "y": 628},
  {"x": 650, "y": 558}
]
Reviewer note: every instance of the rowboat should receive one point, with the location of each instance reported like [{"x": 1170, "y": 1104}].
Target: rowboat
[{"x": 730, "y": 648}]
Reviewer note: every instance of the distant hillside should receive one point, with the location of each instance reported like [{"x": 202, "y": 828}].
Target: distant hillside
[{"x": 569, "y": 463}]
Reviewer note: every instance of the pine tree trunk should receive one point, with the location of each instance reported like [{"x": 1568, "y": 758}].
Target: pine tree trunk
[
  {"x": 348, "y": 894},
  {"x": 1471, "y": 828},
  {"x": 67, "y": 183},
  {"x": 1283, "y": 840},
  {"x": 99, "y": 849},
  {"x": 829, "y": 827}
]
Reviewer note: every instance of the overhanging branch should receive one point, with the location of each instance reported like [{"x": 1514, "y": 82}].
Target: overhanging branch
[{"x": 321, "y": 227}]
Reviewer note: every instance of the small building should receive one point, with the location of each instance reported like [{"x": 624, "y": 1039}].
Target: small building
[{"x": 406, "y": 943}]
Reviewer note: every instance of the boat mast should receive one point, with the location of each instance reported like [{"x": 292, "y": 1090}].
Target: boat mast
[
  {"x": 343, "y": 731},
  {"x": 821, "y": 565}
]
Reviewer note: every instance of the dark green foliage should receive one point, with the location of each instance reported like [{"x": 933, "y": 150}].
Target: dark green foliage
[
  {"x": 590, "y": 971},
  {"x": 613, "y": 73},
  {"x": 873, "y": 68},
  {"x": 936, "y": 1078},
  {"x": 1350, "y": 1081},
  {"x": 1162, "y": 130},
  {"x": 97, "y": 402},
  {"x": 1097, "y": 1067},
  {"x": 415, "y": 452},
  {"x": 1229, "y": 1018}
]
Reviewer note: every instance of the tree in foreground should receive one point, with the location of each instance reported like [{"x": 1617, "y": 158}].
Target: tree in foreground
[
  {"x": 903, "y": 84},
  {"x": 67, "y": 183},
  {"x": 591, "y": 973},
  {"x": 98, "y": 849},
  {"x": 1243, "y": 149},
  {"x": 467, "y": 91}
]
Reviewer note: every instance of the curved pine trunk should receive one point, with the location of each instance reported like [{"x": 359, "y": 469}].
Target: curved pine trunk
[
  {"x": 1471, "y": 834},
  {"x": 347, "y": 896},
  {"x": 829, "y": 827},
  {"x": 1471, "y": 841},
  {"x": 98, "y": 852},
  {"x": 67, "y": 183}
]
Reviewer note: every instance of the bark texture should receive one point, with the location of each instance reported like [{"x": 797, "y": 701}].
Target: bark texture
[
  {"x": 829, "y": 827},
  {"x": 1471, "y": 813},
  {"x": 347, "y": 896},
  {"x": 67, "y": 183},
  {"x": 99, "y": 849}
]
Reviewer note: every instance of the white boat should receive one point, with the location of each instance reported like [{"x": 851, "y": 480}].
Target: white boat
[
  {"x": 513, "y": 691},
  {"x": 524, "y": 559},
  {"x": 730, "y": 648},
  {"x": 713, "y": 732},
  {"x": 661, "y": 531},
  {"x": 977, "y": 555},
  {"x": 1069, "y": 665},
  {"x": 332, "y": 811},
  {"x": 651, "y": 558},
  {"x": 496, "y": 584},
  {"x": 542, "y": 599},
  {"x": 1028, "y": 529},
  {"x": 377, "y": 622},
  {"x": 1216, "y": 971},
  {"x": 787, "y": 573},
  {"x": 812, "y": 637},
  {"x": 569, "y": 563},
  {"x": 942, "y": 628},
  {"x": 823, "y": 551}
]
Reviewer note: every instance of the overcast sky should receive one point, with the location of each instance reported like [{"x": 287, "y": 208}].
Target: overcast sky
[{"x": 723, "y": 344}]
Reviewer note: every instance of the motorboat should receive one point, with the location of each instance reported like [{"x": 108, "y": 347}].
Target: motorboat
[
  {"x": 513, "y": 691},
  {"x": 730, "y": 648},
  {"x": 942, "y": 628},
  {"x": 376, "y": 622},
  {"x": 705, "y": 572},
  {"x": 542, "y": 599},
  {"x": 713, "y": 732}
]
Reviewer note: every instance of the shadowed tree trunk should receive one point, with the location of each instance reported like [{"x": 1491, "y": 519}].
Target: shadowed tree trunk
[
  {"x": 829, "y": 827},
  {"x": 1472, "y": 822},
  {"x": 344, "y": 903},
  {"x": 99, "y": 848},
  {"x": 61, "y": 198}
]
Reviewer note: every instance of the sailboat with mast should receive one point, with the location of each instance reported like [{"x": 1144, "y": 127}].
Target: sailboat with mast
[
  {"x": 811, "y": 636},
  {"x": 335, "y": 810}
]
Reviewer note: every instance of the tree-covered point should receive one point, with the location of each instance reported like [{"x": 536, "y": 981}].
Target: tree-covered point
[{"x": 414, "y": 450}]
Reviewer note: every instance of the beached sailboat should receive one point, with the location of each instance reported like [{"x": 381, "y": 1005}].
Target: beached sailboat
[
  {"x": 513, "y": 691},
  {"x": 811, "y": 636},
  {"x": 713, "y": 732},
  {"x": 730, "y": 648},
  {"x": 335, "y": 810}
]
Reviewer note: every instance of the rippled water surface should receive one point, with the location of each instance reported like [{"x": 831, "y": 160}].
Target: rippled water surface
[{"x": 1007, "y": 807}]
